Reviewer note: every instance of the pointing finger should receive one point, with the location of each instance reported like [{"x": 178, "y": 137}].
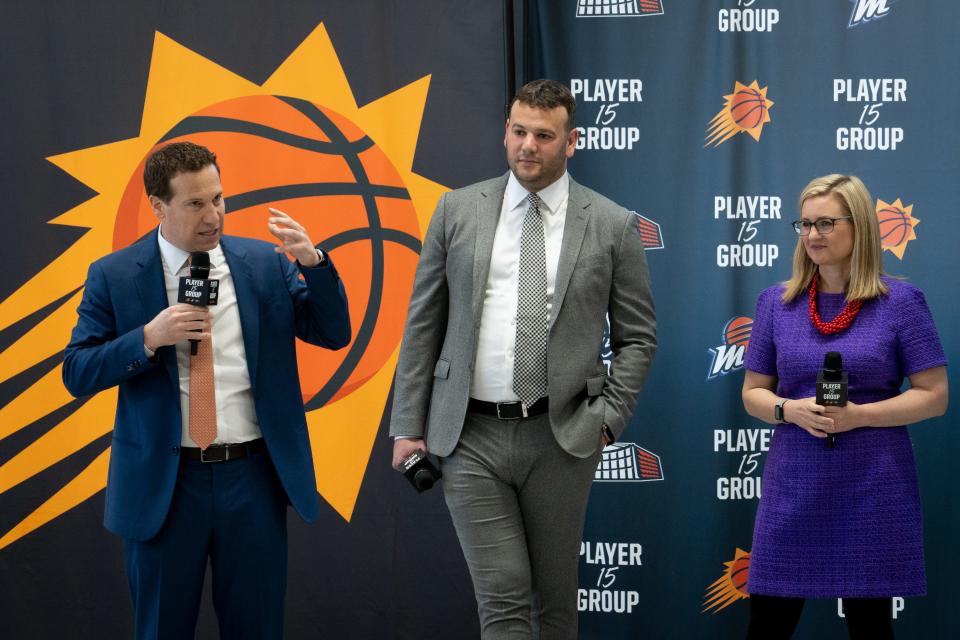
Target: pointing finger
[{"x": 286, "y": 223}]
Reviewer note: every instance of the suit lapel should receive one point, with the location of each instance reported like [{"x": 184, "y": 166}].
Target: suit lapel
[
  {"x": 488, "y": 215},
  {"x": 573, "y": 230},
  {"x": 245, "y": 286},
  {"x": 152, "y": 290}
]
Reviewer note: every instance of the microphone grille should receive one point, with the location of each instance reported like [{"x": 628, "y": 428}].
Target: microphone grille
[
  {"x": 200, "y": 259},
  {"x": 833, "y": 361}
]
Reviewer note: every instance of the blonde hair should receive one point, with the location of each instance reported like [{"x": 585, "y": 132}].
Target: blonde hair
[{"x": 866, "y": 263}]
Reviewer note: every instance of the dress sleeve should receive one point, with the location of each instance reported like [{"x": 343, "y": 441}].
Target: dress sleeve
[
  {"x": 761, "y": 351},
  {"x": 918, "y": 344}
]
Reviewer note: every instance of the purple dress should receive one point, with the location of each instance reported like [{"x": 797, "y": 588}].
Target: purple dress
[{"x": 841, "y": 522}]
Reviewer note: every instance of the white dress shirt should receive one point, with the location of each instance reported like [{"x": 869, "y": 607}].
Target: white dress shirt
[
  {"x": 236, "y": 414},
  {"x": 493, "y": 366}
]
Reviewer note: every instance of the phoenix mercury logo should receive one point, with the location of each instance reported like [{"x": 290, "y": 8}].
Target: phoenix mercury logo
[
  {"x": 731, "y": 586},
  {"x": 745, "y": 110},
  {"x": 896, "y": 226},
  {"x": 866, "y": 10},
  {"x": 298, "y": 141},
  {"x": 728, "y": 357}
]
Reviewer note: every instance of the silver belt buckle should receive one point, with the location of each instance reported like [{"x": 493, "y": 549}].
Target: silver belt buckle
[{"x": 523, "y": 409}]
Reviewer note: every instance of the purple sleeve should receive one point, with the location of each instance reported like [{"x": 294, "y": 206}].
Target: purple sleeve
[
  {"x": 761, "y": 351},
  {"x": 918, "y": 344}
]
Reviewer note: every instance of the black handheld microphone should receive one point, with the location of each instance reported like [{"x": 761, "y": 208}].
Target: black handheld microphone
[
  {"x": 832, "y": 387},
  {"x": 200, "y": 265},
  {"x": 198, "y": 289},
  {"x": 199, "y": 270},
  {"x": 418, "y": 469}
]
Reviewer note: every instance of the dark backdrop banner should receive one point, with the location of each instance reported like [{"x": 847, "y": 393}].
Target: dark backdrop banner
[
  {"x": 412, "y": 92},
  {"x": 708, "y": 118}
]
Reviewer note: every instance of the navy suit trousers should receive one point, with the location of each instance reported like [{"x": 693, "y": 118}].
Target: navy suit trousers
[{"x": 234, "y": 514}]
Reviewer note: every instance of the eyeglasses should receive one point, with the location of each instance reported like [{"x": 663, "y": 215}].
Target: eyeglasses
[{"x": 823, "y": 225}]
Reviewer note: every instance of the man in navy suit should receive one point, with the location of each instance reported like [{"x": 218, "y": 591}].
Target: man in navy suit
[{"x": 175, "y": 502}]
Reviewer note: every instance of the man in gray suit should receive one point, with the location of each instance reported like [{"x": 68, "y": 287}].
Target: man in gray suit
[{"x": 500, "y": 367}]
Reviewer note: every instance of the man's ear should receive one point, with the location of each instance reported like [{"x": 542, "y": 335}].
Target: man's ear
[
  {"x": 157, "y": 205},
  {"x": 571, "y": 145}
]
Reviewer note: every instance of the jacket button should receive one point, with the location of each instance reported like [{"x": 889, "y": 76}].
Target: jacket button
[{"x": 176, "y": 450}]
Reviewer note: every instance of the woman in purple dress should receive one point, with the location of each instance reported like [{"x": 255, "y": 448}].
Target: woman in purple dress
[{"x": 840, "y": 514}]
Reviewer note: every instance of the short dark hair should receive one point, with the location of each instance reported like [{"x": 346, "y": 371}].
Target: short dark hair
[
  {"x": 176, "y": 157},
  {"x": 546, "y": 94}
]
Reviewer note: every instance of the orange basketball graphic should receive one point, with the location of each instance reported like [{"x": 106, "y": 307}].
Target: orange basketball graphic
[
  {"x": 324, "y": 171},
  {"x": 748, "y": 108},
  {"x": 895, "y": 226},
  {"x": 739, "y": 572},
  {"x": 731, "y": 586},
  {"x": 737, "y": 332}
]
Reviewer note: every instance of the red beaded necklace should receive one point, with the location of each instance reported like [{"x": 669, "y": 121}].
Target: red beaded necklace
[{"x": 843, "y": 320}]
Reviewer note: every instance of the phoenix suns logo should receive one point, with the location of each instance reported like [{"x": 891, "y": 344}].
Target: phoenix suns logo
[
  {"x": 731, "y": 586},
  {"x": 896, "y": 226},
  {"x": 745, "y": 110},
  {"x": 728, "y": 357},
  {"x": 298, "y": 141}
]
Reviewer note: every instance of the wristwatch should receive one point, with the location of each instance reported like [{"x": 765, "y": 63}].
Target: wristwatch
[
  {"x": 320, "y": 255},
  {"x": 778, "y": 411}
]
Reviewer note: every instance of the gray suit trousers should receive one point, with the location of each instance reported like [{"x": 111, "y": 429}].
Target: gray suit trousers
[{"x": 518, "y": 501}]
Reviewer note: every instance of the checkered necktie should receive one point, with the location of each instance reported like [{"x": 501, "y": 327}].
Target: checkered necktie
[
  {"x": 203, "y": 404},
  {"x": 530, "y": 359}
]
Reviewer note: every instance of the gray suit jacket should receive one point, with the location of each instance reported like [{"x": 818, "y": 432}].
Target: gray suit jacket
[{"x": 602, "y": 269}]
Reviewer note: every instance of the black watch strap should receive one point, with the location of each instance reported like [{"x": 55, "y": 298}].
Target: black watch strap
[{"x": 778, "y": 411}]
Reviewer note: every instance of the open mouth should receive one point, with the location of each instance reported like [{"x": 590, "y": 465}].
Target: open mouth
[{"x": 209, "y": 234}]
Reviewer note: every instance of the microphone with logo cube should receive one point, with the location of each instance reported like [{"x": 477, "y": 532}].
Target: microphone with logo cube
[
  {"x": 832, "y": 387},
  {"x": 198, "y": 288}
]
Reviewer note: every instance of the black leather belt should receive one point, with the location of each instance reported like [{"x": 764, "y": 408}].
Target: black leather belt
[
  {"x": 509, "y": 410},
  {"x": 223, "y": 452}
]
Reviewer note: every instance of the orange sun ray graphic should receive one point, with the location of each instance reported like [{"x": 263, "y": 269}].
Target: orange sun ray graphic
[
  {"x": 344, "y": 404},
  {"x": 896, "y": 226},
  {"x": 730, "y": 586},
  {"x": 745, "y": 110}
]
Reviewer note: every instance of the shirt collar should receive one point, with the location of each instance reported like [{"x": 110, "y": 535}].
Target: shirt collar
[
  {"x": 175, "y": 259},
  {"x": 552, "y": 196}
]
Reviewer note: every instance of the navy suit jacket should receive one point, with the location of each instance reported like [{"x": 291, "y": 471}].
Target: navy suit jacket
[{"x": 124, "y": 291}]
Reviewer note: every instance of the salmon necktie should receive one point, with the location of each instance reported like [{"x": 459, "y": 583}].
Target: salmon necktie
[{"x": 203, "y": 401}]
